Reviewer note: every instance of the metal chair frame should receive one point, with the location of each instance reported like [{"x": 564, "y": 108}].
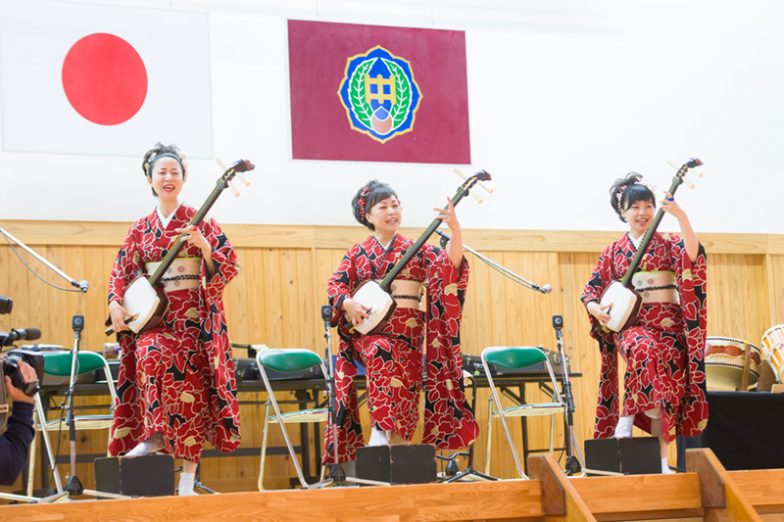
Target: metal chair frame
[
  {"x": 82, "y": 422},
  {"x": 306, "y": 416},
  {"x": 526, "y": 409}
]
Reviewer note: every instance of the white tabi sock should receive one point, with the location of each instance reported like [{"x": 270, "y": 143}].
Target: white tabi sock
[
  {"x": 665, "y": 466},
  {"x": 624, "y": 428},
  {"x": 150, "y": 445},
  {"x": 185, "y": 489},
  {"x": 378, "y": 437}
]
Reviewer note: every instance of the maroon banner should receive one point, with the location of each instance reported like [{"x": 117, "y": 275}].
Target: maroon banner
[{"x": 374, "y": 93}]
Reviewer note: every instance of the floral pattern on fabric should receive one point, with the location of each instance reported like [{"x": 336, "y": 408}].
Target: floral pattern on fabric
[
  {"x": 177, "y": 378},
  {"x": 664, "y": 348},
  {"x": 393, "y": 358}
]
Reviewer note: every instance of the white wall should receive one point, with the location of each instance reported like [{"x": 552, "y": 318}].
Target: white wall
[{"x": 564, "y": 97}]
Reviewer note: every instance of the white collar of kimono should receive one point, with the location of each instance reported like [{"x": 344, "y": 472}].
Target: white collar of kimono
[
  {"x": 385, "y": 247},
  {"x": 165, "y": 220},
  {"x": 635, "y": 240}
]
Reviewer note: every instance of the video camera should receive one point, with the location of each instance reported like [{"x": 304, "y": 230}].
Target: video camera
[{"x": 9, "y": 363}]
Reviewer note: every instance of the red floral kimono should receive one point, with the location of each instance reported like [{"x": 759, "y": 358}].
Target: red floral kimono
[
  {"x": 177, "y": 378},
  {"x": 665, "y": 347},
  {"x": 393, "y": 358}
]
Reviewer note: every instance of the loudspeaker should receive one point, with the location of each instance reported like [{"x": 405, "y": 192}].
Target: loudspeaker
[
  {"x": 630, "y": 456},
  {"x": 147, "y": 476},
  {"x": 402, "y": 464}
]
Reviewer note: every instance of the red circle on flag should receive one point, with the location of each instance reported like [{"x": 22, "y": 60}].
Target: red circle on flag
[{"x": 104, "y": 79}]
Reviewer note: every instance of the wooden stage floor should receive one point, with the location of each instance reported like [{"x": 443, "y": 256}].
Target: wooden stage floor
[{"x": 705, "y": 492}]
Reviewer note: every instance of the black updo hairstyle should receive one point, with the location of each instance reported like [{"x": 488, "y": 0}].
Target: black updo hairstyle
[
  {"x": 627, "y": 191},
  {"x": 367, "y": 196},
  {"x": 160, "y": 151}
]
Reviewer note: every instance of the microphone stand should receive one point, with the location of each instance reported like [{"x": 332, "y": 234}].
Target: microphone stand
[
  {"x": 451, "y": 469},
  {"x": 573, "y": 465},
  {"x": 545, "y": 289},
  {"x": 74, "y": 485},
  {"x": 81, "y": 285},
  {"x": 336, "y": 472}
]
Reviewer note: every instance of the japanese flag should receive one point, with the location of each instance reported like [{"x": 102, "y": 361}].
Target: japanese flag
[{"x": 91, "y": 79}]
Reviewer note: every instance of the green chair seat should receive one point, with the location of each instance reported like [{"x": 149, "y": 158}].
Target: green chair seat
[
  {"x": 288, "y": 360},
  {"x": 513, "y": 356},
  {"x": 59, "y": 363}
]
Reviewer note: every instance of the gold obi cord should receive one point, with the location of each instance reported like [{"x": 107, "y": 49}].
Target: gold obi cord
[
  {"x": 183, "y": 274},
  {"x": 657, "y": 287},
  {"x": 406, "y": 293}
]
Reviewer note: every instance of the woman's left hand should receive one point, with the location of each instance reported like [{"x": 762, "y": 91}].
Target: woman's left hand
[
  {"x": 670, "y": 206},
  {"x": 448, "y": 215},
  {"x": 193, "y": 236}
]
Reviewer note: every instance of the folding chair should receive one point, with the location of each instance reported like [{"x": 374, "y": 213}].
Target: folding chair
[
  {"x": 58, "y": 364},
  {"x": 517, "y": 358},
  {"x": 287, "y": 360}
]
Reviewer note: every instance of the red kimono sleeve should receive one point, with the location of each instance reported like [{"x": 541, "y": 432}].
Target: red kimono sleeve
[{"x": 449, "y": 420}]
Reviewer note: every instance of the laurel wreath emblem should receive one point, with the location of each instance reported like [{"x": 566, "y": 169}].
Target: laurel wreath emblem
[
  {"x": 399, "y": 111},
  {"x": 356, "y": 93}
]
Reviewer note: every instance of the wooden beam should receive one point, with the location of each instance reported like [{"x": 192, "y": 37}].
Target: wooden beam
[
  {"x": 104, "y": 233},
  {"x": 763, "y": 488},
  {"x": 634, "y": 497},
  {"x": 721, "y": 497},
  {"x": 514, "y": 499},
  {"x": 560, "y": 500}
]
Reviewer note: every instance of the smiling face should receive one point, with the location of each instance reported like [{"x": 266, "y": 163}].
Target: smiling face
[
  {"x": 167, "y": 179},
  {"x": 639, "y": 216},
  {"x": 385, "y": 216}
]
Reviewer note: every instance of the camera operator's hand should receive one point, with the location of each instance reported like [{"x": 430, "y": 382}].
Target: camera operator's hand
[
  {"x": 118, "y": 314},
  {"x": 28, "y": 375}
]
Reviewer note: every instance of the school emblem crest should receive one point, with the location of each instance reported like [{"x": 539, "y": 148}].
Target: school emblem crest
[{"x": 380, "y": 94}]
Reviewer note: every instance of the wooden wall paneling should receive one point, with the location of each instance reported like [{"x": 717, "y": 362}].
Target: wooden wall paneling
[
  {"x": 477, "y": 327},
  {"x": 290, "y": 318},
  {"x": 98, "y": 263},
  {"x": 236, "y": 298},
  {"x": 737, "y": 297},
  {"x": 308, "y": 303},
  {"x": 276, "y": 297},
  {"x": 6, "y": 258},
  {"x": 253, "y": 281},
  {"x": 271, "y": 332},
  {"x": 774, "y": 269}
]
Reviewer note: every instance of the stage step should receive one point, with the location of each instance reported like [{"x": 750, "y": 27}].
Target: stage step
[{"x": 706, "y": 492}]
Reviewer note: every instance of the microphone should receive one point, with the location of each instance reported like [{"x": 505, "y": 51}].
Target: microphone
[
  {"x": 81, "y": 285},
  {"x": 22, "y": 334},
  {"x": 326, "y": 315}
]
